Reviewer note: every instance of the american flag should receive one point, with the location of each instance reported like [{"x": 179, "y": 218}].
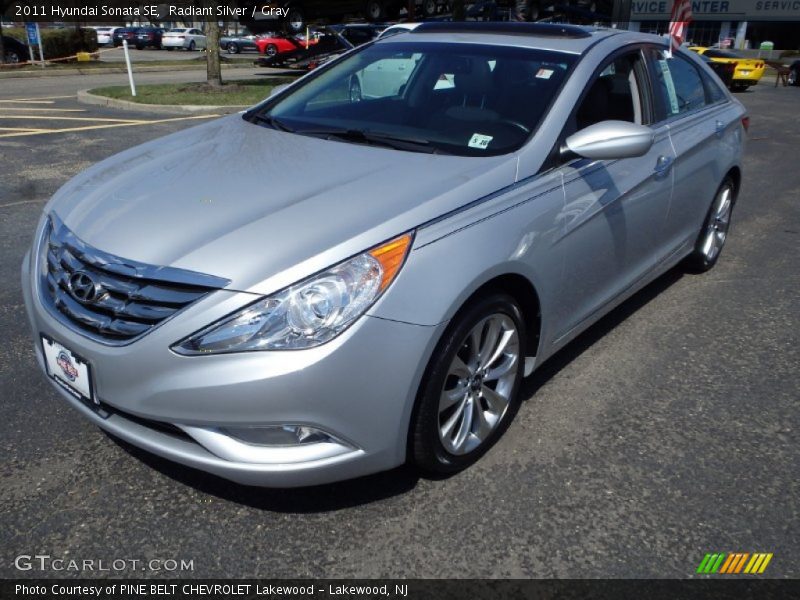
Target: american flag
[{"x": 679, "y": 22}]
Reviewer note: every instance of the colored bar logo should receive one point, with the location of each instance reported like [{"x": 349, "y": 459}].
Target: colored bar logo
[{"x": 734, "y": 563}]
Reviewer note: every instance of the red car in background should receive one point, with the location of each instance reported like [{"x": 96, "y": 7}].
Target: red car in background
[{"x": 270, "y": 45}]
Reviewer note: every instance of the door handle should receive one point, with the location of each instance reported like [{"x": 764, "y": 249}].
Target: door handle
[
  {"x": 663, "y": 164},
  {"x": 720, "y": 126}
]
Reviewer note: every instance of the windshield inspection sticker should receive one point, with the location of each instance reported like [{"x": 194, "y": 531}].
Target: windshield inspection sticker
[
  {"x": 478, "y": 140},
  {"x": 544, "y": 73}
]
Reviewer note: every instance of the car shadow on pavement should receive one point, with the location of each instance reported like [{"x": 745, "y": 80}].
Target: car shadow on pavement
[
  {"x": 313, "y": 499},
  {"x": 398, "y": 481},
  {"x": 597, "y": 331}
]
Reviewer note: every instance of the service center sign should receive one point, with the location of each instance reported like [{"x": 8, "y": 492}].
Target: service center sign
[{"x": 720, "y": 10}]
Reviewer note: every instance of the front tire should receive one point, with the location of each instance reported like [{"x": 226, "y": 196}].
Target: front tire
[
  {"x": 714, "y": 232},
  {"x": 233, "y": 48},
  {"x": 271, "y": 50},
  {"x": 468, "y": 395},
  {"x": 191, "y": 46},
  {"x": 792, "y": 78}
]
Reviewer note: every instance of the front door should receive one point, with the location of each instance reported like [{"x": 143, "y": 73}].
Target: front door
[{"x": 615, "y": 209}]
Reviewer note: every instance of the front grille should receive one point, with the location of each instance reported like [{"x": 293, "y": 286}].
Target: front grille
[{"x": 107, "y": 298}]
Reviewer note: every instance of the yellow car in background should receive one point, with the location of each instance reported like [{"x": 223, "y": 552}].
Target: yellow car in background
[{"x": 748, "y": 70}]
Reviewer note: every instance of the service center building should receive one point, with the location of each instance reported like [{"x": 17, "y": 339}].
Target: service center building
[{"x": 738, "y": 23}]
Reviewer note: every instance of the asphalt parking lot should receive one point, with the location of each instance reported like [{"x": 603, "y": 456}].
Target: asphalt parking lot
[{"x": 666, "y": 431}]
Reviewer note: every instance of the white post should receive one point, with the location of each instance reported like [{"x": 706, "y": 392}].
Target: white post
[
  {"x": 39, "y": 37},
  {"x": 128, "y": 64},
  {"x": 741, "y": 34},
  {"x": 31, "y": 55}
]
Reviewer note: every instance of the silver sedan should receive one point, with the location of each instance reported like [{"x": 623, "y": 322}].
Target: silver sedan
[{"x": 360, "y": 270}]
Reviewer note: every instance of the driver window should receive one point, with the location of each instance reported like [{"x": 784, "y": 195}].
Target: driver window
[{"x": 614, "y": 94}]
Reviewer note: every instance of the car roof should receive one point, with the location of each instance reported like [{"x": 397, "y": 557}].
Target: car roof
[{"x": 572, "y": 39}]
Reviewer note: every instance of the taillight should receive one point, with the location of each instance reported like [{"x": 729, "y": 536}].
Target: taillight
[{"x": 746, "y": 123}]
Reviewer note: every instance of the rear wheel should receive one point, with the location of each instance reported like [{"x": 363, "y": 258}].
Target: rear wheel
[
  {"x": 468, "y": 396},
  {"x": 12, "y": 57},
  {"x": 714, "y": 233},
  {"x": 375, "y": 10},
  {"x": 191, "y": 46},
  {"x": 791, "y": 79},
  {"x": 295, "y": 21},
  {"x": 428, "y": 8}
]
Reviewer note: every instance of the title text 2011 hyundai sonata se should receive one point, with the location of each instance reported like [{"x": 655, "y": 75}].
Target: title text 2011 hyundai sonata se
[{"x": 360, "y": 270}]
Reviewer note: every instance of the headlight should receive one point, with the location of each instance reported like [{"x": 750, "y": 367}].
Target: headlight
[{"x": 308, "y": 313}]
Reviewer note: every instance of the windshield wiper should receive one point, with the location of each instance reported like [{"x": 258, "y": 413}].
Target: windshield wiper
[
  {"x": 363, "y": 136},
  {"x": 271, "y": 121}
]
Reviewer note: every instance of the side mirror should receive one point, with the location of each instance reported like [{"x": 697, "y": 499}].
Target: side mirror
[
  {"x": 610, "y": 140},
  {"x": 278, "y": 89}
]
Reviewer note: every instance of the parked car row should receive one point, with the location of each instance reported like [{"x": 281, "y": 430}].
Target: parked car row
[{"x": 186, "y": 38}]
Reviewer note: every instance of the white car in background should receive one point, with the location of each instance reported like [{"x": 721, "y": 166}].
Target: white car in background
[
  {"x": 398, "y": 28},
  {"x": 105, "y": 35},
  {"x": 184, "y": 37}
]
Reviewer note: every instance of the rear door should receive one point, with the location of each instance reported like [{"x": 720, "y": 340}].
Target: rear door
[{"x": 705, "y": 132}]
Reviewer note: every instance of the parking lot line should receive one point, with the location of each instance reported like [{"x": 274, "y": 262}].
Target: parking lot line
[
  {"x": 91, "y": 119},
  {"x": 104, "y": 126},
  {"x": 40, "y": 100},
  {"x": 49, "y": 110},
  {"x": 22, "y": 129}
]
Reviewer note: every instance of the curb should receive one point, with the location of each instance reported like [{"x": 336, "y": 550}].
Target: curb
[
  {"x": 109, "y": 70},
  {"x": 85, "y": 97}
]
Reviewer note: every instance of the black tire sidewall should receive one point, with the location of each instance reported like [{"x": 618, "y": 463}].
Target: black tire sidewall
[
  {"x": 697, "y": 262},
  {"x": 425, "y": 447}
]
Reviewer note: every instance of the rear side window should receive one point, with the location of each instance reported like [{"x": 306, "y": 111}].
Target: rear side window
[
  {"x": 713, "y": 89},
  {"x": 679, "y": 87}
]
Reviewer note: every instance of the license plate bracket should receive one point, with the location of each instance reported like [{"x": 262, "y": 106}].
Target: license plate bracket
[{"x": 69, "y": 370}]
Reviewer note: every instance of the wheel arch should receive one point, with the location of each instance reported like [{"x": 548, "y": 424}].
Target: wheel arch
[
  {"x": 523, "y": 291},
  {"x": 735, "y": 173}
]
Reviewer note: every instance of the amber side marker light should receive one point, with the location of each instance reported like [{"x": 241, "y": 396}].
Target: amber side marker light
[{"x": 391, "y": 256}]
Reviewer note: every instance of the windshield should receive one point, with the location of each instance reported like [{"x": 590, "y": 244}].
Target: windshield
[{"x": 465, "y": 99}]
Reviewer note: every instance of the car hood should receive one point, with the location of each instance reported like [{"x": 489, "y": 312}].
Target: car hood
[{"x": 263, "y": 208}]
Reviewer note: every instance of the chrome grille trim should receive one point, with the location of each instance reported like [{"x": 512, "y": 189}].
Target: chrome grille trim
[{"x": 133, "y": 299}]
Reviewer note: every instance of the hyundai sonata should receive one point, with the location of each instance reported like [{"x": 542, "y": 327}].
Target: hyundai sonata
[{"x": 360, "y": 270}]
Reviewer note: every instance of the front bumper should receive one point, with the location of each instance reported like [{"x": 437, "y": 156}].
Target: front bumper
[{"x": 360, "y": 388}]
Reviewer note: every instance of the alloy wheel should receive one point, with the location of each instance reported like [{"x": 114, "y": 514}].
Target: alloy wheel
[
  {"x": 718, "y": 224},
  {"x": 479, "y": 383}
]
